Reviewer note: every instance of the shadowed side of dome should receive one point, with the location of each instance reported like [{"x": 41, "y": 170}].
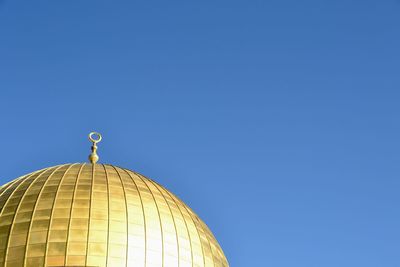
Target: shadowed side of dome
[{"x": 99, "y": 215}]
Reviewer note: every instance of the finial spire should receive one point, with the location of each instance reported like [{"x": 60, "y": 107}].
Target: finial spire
[{"x": 94, "y": 137}]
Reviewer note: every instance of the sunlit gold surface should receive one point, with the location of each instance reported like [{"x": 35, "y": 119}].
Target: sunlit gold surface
[{"x": 99, "y": 215}]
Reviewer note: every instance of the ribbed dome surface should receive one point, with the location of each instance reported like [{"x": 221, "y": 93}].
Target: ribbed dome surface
[{"x": 99, "y": 215}]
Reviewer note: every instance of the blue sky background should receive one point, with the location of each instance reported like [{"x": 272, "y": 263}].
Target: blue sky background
[{"x": 278, "y": 122}]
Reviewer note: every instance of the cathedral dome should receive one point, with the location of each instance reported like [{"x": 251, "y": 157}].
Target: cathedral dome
[{"x": 99, "y": 215}]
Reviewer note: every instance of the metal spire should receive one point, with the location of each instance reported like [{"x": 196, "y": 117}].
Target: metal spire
[{"x": 95, "y": 138}]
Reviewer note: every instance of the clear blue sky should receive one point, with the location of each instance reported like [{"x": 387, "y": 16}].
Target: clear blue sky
[{"x": 278, "y": 122}]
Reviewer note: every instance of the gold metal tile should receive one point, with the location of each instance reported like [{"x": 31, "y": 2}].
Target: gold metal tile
[
  {"x": 56, "y": 248},
  {"x": 58, "y": 235},
  {"x": 97, "y": 249},
  {"x": 76, "y": 260},
  {"x": 38, "y": 237},
  {"x": 55, "y": 260},
  {"x": 34, "y": 261},
  {"x": 36, "y": 250},
  {"x": 96, "y": 261},
  {"x": 15, "y": 253},
  {"x": 98, "y": 236},
  {"x": 77, "y": 235},
  {"x": 77, "y": 248},
  {"x": 38, "y": 225},
  {"x": 18, "y": 239},
  {"x": 60, "y": 223}
]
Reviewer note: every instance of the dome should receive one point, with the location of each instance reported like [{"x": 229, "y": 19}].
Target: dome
[{"x": 99, "y": 215}]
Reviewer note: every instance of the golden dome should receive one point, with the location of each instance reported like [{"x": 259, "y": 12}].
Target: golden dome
[{"x": 99, "y": 215}]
